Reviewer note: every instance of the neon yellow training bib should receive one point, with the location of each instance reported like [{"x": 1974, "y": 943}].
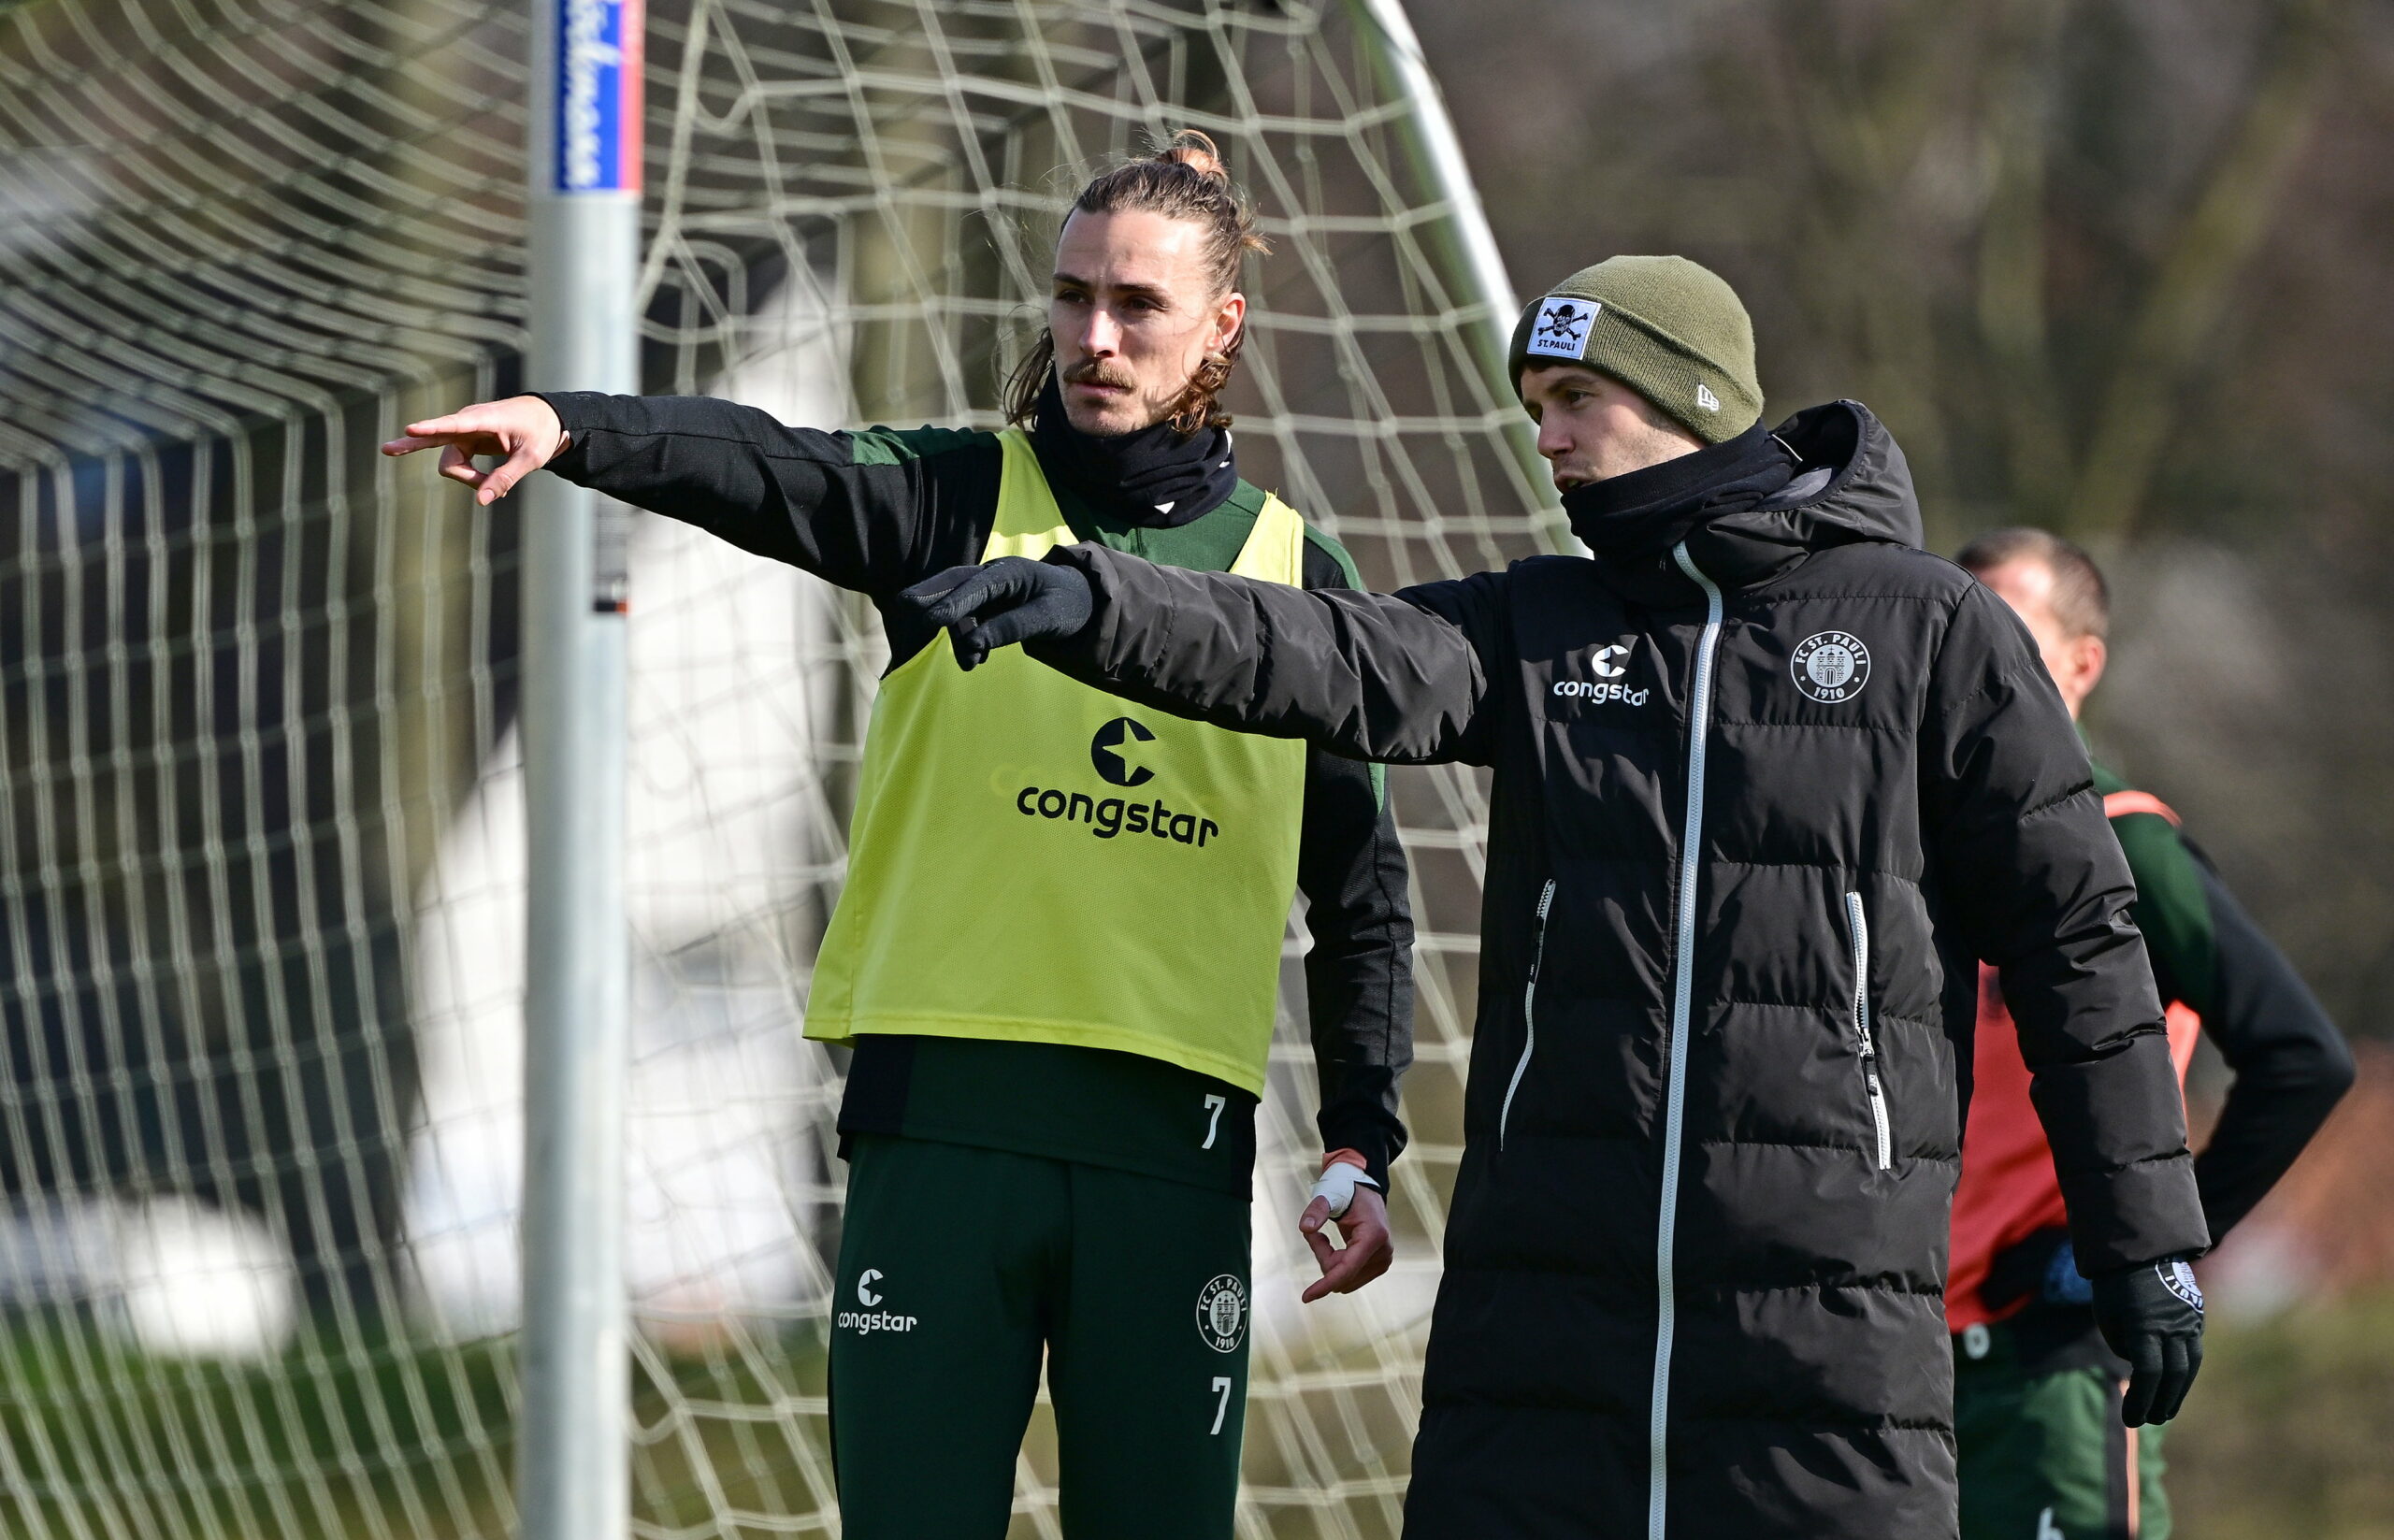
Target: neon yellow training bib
[{"x": 1034, "y": 860}]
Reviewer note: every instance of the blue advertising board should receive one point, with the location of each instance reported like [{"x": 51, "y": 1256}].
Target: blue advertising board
[{"x": 599, "y": 95}]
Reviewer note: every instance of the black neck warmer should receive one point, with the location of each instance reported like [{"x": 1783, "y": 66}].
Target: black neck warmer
[
  {"x": 1633, "y": 519},
  {"x": 1156, "y": 477}
]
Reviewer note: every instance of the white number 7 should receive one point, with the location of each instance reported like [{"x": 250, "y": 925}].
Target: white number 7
[
  {"x": 1222, "y": 1389},
  {"x": 1214, "y": 1124}
]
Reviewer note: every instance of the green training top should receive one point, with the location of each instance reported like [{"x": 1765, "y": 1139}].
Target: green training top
[{"x": 2170, "y": 908}]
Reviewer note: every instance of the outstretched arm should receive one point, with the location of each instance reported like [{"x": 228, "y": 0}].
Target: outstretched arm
[
  {"x": 1401, "y": 678},
  {"x": 872, "y": 510}
]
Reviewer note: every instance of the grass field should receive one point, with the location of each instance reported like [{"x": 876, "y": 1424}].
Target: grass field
[
  {"x": 402, "y": 1440},
  {"x": 2290, "y": 1433}
]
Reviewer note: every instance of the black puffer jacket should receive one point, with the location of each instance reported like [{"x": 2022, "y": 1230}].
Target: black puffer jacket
[{"x": 1719, "y": 1047}]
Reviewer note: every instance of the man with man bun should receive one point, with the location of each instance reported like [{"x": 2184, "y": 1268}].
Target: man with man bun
[
  {"x": 1051, "y": 1114},
  {"x": 1769, "y": 781}
]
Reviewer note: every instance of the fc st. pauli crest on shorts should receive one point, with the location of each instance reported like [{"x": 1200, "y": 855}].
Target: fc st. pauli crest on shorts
[{"x": 1221, "y": 1313}]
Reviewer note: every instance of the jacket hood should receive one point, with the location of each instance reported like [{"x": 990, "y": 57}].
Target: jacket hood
[
  {"x": 1851, "y": 475},
  {"x": 1852, "y": 483}
]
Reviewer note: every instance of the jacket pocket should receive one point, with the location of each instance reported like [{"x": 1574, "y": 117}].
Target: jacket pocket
[
  {"x": 1857, "y": 929},
  {"x": 1529, "y": 1015}
]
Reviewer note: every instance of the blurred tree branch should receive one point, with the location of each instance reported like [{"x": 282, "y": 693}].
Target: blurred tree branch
[
  {"x": 1922, "y": 134},
  {"x": 2013, "y": 258},
  {"x": 2132, "y": 422},
  {"x": 1866, "y": 135}
]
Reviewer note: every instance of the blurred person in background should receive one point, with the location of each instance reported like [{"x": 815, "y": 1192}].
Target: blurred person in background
[
  {"x": 1768, "y": 781},
  {"x": 1049, "y": 1117},
  {"x": 2044, "y": 1454}
]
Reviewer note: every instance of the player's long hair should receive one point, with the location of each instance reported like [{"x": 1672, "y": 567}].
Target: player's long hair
[{"x": 1183, "y": 180}]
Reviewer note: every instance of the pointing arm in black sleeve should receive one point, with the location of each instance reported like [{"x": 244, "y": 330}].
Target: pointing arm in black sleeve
[
  {"x": 1399, "y": 678},
  {"x": 873, "y": 511}
]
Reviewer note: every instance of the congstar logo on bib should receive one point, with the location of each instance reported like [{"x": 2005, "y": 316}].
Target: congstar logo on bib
[{"x": 1116, "y": 753}]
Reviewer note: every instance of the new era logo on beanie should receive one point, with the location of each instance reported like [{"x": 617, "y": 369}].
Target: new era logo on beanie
[{"x": 1659, "y": 324}]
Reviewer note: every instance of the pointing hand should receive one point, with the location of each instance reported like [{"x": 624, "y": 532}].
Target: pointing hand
[
  {"x": 523, "y": 430},
  {"x": 1000, "y": 603}
]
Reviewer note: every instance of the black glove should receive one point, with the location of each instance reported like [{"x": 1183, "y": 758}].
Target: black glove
[
  {"x": 1000, "y": 603},
  {"x": 2151, "y": 1315}
]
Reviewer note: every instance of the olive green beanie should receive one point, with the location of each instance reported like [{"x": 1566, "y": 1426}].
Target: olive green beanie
[{"x": 1668, "y": 328}]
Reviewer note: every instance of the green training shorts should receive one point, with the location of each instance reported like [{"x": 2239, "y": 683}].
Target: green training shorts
[
  {"x": 959, "y": 1268},
  {"x": 2044, "y": 1456}
]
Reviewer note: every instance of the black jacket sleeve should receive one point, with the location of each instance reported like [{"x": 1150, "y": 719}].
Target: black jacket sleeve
[
  {"x": 1400, "y": 678},
  {"x": 870, "y": 512},
  {"x": 2029, "y": 869},
  {"x": 1359, "y": 975},
  {"x": 2291, "y": 1066}
]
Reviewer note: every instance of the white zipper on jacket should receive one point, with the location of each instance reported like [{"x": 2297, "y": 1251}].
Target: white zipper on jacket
[
  {"x": 1859, "y": 928},
  {"x": 1699, "y": 722},
  {"x": 1529, "y": 1016}
]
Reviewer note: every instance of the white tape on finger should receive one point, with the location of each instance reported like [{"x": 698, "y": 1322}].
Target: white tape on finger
[{"x": 1338, "y": 1184}]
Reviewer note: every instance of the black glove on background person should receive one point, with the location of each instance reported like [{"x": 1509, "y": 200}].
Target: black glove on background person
[
  {"x": 2151, "y": 1315},
  {"x": 999, "y": 603}
]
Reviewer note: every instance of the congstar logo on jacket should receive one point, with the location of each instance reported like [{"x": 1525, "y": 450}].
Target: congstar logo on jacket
[
  {"x": 1605, "y": 665},
  {"x": 1116, "y": 752}
]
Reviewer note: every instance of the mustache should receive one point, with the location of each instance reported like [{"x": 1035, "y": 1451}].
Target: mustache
[{"x": 1096, "y": 371}]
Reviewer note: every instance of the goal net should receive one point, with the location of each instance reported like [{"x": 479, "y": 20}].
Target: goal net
[{"x": 261, "y": 826}]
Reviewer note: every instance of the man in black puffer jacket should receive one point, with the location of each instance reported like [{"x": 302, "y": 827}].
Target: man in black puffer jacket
[{"x": 1768, "y": 781}]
